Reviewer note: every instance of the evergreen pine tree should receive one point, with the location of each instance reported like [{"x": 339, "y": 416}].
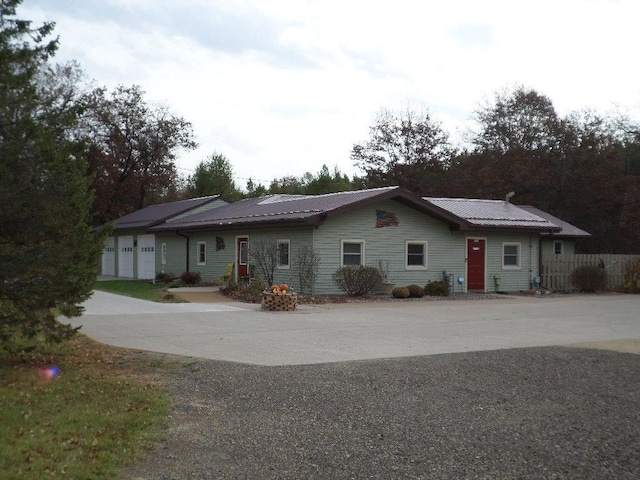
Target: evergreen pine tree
[{"x": 48, "y": 251}]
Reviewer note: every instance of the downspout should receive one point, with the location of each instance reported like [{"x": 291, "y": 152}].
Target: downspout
[
  {"x": 540, "y": 239},
  {"x": 188, "y": 247},
  {"x": 531, "y": 261}
]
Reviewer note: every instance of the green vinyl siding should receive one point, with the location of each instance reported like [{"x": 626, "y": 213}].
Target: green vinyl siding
[
  {"x": 176, "y": 254},
  {"x": 568, "y": 246},
  {"x": 446, "y": 250},
  {"x": 511, "y": 278},
  {"x": 297, "y": 237},
  {"x": 217, "y": 259}
]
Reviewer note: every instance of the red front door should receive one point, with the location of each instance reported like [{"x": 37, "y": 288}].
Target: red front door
[
  {"x": 475, "y": 263},
  {"x": 242, "y": 257}
]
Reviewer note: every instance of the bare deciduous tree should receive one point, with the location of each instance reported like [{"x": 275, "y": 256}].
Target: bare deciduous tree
[
  {"x": 308, "y": 262},
  {"x": 265, "y": 255}
]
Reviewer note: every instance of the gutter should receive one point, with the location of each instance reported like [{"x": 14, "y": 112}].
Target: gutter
[{"x": 188, "y": 239}]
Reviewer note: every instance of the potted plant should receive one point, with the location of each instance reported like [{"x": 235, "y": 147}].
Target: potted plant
[{"x": 387, "y": 284}]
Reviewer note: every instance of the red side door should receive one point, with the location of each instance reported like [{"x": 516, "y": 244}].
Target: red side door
[
  {"x": 475, "y": 263},
  {"x": 242, "y": 256}
]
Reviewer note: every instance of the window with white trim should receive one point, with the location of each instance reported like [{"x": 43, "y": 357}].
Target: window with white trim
[
  {"x": 510, "y": 255},
  {"x": 201, "y": 248},
  {"x": 164, "y": 254},
  {"x": 352, "y": 252},
  {"x": 557, "y": 247},
  {"x": 284, "y": 248},
  {"x": 416, "y": 255}
]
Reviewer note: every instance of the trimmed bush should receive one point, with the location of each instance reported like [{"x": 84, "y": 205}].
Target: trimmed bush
[
  {"x": 357, "y": 280},
  {"x": 416, "y": 291},
  {"x": 400, "y": 292},
  {"x": 190, "y": 278},
  {"x": 589, "y": 278},
  {"x": 439, "y": 288}
]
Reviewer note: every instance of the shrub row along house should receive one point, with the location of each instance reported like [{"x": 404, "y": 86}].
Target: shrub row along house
[{"x": 478, "y": 245}]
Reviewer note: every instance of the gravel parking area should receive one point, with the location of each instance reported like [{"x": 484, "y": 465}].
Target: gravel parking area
[{"x": 538, "y": 413}]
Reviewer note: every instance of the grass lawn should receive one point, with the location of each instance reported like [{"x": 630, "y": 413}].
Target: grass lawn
[
  {"x": 81, "y": 410},
  {"x": 136, "y": 288}
]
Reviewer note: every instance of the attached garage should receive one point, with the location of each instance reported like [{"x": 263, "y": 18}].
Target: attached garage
[
  {"x": 125, "y": 256},
  {"x": 130, "y": 252},
  {"x": 146, "y": 257},
  {"x": 109, "y": 257}
]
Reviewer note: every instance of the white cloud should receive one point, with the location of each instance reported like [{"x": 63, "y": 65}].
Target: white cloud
[{"x": 282, "y": 87}]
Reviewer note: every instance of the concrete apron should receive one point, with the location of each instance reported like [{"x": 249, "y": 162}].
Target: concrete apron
[{"x": 241, "y": 332}]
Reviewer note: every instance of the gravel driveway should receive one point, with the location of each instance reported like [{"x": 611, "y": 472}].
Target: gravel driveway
[{"x": 539, "y": 413}]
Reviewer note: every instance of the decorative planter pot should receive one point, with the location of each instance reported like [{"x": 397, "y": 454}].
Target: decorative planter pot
[
  {"x": 387, "y": 287},
  {"x": 281, "y": 303}
]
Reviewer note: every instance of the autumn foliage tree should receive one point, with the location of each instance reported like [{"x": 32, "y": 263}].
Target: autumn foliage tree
[
  {"x": 516, "y": 140},
  {"x": 407, "y": 148},
  {"x": 131, "y": 150},
  {"x": 582, "y": 167},
  {"x": 569, "y": 166}
]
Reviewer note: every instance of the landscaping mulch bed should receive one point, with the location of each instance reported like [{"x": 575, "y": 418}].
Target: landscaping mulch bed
[{"x": 252, "y": 296}]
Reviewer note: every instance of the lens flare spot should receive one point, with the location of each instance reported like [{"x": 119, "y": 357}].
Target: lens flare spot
[{"x": 50, "y": 372}]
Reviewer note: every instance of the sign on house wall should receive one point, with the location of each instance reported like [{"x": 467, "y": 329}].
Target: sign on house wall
[{"x": 386, "y": 219}]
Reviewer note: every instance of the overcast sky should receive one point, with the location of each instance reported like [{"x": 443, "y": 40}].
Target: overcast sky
[{"x": 281, "y": 87}]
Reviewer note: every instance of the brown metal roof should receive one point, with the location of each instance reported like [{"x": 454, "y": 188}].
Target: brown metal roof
[
  {"x": 459, "y": 213},
  {"x": 295, "y": 209},
  {"x": 493, "y": 214},
  {"x": 154, "y": 214},
  {"x": 567, "y": 230}
]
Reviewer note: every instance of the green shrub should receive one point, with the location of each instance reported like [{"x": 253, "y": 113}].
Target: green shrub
[
  {"x": 416, "y": 291},
  {"x": 357, "y": 280},
  {"x": 439, "y": 288},
  {"x": 162, "y": 277},
  {"x": 191, "y": 278},
  {"x": 589, "y": 278},
  {"x": 400, "y": 292}
]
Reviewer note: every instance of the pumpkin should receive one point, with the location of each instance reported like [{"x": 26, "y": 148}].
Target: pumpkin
[{"x": 284, "y": 287}]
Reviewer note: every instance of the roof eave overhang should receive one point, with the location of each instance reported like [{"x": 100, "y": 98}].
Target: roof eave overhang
[
  {"x": 571, "y": 237},
  {"x": 511, "y": 229},
  {"x": 217, "y": 226},
  {"x": 130, "y": 229}
]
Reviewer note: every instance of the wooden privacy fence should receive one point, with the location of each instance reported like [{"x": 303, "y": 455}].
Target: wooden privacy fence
[{"x": 557, "y": 268}]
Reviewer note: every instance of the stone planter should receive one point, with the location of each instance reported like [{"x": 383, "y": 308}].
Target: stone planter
[{"x": 279, "y": 303}]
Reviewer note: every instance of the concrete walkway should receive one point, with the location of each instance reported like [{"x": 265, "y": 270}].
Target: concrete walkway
[{"x": 241, "y": 332}]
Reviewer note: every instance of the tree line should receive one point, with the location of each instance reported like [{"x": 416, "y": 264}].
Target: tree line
[{"x": 582, "y": 167}]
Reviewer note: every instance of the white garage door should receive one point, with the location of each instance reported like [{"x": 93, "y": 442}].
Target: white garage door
[
  {"x": 125, "y": 256},
  {"x": 146, "y": 257},
  {"x": 109, "y": 257}
]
